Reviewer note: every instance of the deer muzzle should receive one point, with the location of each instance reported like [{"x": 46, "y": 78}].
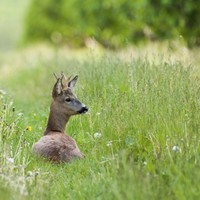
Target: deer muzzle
[{"x": 83, "y": 110}]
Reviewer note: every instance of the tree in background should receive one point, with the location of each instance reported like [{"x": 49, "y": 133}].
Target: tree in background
[{"x": 112, "y": 23}]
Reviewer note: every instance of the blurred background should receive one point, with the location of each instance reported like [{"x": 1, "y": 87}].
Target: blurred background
[
  {"x": 12, "y": 14},
  {"x": 111, "y": 24}
]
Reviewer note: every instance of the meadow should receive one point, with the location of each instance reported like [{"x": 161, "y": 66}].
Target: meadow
[{"x": 140, "y": 137}]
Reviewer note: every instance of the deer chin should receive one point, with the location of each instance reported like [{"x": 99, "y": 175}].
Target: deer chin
[{"x": 83, "y": 110}]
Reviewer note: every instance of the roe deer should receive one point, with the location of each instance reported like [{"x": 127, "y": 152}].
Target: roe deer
[{"x": 55, "y": 145}]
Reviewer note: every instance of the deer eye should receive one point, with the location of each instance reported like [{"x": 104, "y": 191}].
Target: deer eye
[{"x": 67, "y": 99}]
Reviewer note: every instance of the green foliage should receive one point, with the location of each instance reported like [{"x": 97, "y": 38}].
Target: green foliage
[
  {"x": 147, "y": 116},
  {"x": 112, "y": 23},
  {"x": 171, "y": 19}
]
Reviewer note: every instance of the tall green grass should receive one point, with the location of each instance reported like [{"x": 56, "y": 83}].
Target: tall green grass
[{"x": 140, "y": 137}]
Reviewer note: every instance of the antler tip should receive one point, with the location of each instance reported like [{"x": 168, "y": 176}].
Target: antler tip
[{"x": 55, "y": 75}]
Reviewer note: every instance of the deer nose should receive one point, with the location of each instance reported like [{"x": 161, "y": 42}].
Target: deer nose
[{"x": 83, "y": 110}]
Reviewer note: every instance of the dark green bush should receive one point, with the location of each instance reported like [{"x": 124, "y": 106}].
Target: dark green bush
[
  {"x": 112, "y": 23},
  {"x": 170, "y": 19}
]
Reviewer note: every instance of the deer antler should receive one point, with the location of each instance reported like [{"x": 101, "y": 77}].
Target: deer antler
[
  {"x": 63, "y": 79},
  {"x": 66, "y": 80},
  {"x": 55, "y": 76}
]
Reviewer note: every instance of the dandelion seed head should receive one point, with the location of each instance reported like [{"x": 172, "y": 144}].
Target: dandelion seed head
[
  {"x": 176, "y": 149},
  {"x": 97, "y": 135},
  {"x": 10, "y": 160},
  {"x": 20, "y": 114},
  {"x": 109, "y": 144}
]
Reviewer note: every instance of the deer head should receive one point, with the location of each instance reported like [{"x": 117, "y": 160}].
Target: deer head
[{"x": 64, "y": 98}]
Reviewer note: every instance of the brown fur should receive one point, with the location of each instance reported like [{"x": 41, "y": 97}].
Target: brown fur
[{"x": 55, "y": 145}]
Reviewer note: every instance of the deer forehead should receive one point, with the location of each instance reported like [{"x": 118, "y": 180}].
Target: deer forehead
[{"x": 68, "y": 92}]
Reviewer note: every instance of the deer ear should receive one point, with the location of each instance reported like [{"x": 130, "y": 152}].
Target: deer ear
[
  {"x": 72, "y": 83},
  {"x": 57, "y": 89}
]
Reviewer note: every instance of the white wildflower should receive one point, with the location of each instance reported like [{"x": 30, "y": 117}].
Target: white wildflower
[
  {"x": 29, "y": 173},
  {"x": 145, "y": 163},
  {"x": 176, "y": 149},
  {"x": 20, "y": 114},
  {"x": 10, "y": 160},
  {"x": 109, "y": 144},
  {"x": 98, "y": 113},
  {"x": 97, "y": 135}
]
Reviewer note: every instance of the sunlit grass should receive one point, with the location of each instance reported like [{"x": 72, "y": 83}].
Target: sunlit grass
[{"x": 140, "y": 138}]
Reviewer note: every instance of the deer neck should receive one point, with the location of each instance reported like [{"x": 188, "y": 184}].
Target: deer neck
[{"x": 57, "y": 120}]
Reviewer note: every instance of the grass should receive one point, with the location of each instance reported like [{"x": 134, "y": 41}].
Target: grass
[
  {"x": 146, "y": 115},
  {"x": 141, "y": 136}
]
